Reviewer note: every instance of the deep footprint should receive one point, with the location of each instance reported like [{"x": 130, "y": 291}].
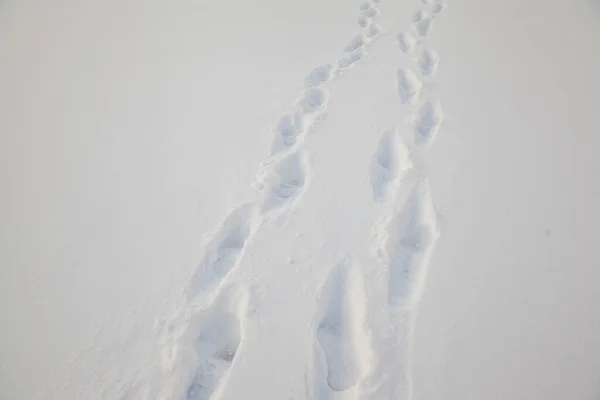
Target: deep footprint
[
  {"x": 224, "y": 251},
  {"x": 390, "y": 161},
  {"x": 216, "y": 347},
  {"x": 363, "y": 21},
  {"x": 356, "y": 43},
  {"x": 289, "y": 128},
  {"x": 438, "y": 8},
  {"x": 313, "y": 100},
  {"x": 319, "y": 75},
  {"x": 285, "y": 181},
  {"x": 406, "y": 42},
  {"x": 368, "y": 11},
  {"x": 427, "y": 123},
  {"x": 411, "y": 236},
  {"x": 409, "y": 86},
  {"x": 420, "y": 16},
  {"x": 424, "y": 26},
  {"x": 373, "y": 30},
  {"x": 428, "y": 62},
  {"x": 350, "y": 59},
  {"x": 340, "y": 333}
]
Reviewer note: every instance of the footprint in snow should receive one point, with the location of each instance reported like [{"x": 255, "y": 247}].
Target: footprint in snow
[
  {"x": 390, "y": 161},
  {"x": 409, "y": 86},
  {"x": 367, "y": 10},
  {"x": 406, "y": 42},
  {"x": 218, "y": 335},
  {"x": 343, "y": 345},
  {"x": 313, "y": 100},
  {"x": 420, "y": 16},
  {"x": 437, "y": 5},
  {"x": 373, "y": 30},
  {"x": 412, "y": 234},
  {"x": 438, "y": 8},
  {"x": 424, "y": 26},
  {"x": 288, "y": 129},
  {"x": 223, "y": 252},
  {"x": 428, "y": 62},
  {"x": 428, "y": 120},
  {"x": 285, "y": 181},
  {"x": 363, "y": 21},
  {"x": 318, "y": 76},
  {"x": 350, "y": 59},
  {"x": 355, "y": 44}
]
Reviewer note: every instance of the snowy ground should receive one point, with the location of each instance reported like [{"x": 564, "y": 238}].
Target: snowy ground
[{"x": 299, "y": 200}]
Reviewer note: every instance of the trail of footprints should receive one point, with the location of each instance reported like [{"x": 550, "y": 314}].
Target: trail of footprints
[
  {"x": 342, "y": 347},
  {"x": 410, "y": 231},
  {"x": 406, "y": 234},
  {"x": 285, "y": 176},
  {"x": 214, "y": 334},
  {"x": 215, "y": 331}
]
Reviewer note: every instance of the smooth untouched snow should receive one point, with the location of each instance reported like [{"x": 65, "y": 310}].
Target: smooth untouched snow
[{"x": 292, "y": 200}]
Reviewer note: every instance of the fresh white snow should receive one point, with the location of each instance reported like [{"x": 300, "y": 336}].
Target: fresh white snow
[{"x": 299, "y": 200}]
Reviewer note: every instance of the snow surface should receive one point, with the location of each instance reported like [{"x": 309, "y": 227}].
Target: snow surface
[{"x": 299, "y": 200}]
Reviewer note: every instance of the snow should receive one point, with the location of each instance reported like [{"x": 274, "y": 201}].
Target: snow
[{"x": 299, "y": 200}]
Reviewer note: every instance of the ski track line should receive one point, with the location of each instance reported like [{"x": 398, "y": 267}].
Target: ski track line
[
  {"x": 343, "y": 350},
  {"x": 405, "y": 235}
]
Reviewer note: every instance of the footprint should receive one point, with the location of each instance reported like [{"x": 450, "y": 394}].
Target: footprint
[
  {"x": 363, "y": 21},
  {"x": 406, "y": 42},
  {"x": 420, "y": 16},
  {"x": 428, "y": 62},
  {"x": 287, "y": 181},
  {"x": 288, "y": 129},
  {"x": 409, "y": 86},
  {"x": 389, "y": 163},
  {"x": 356, "y": 43},
  {"x": 319, "y": 75},
  {"x": 411, "y": 236},
  {"x": 424, "y": 26},
  {"x": 427, "y": 123},
  {"x": 373, "y": 30},
  {"x": 341, "y": 335},
  {"x": 438, "y": 8},
  {"x": 217, "y": 331},
  {"x": 225, "y": 250},
  {"x": 365, "y": 6},
  {"x": 368, "y": 11},
  {"x": 313, "y": 100},
  {"x": 350, "y": 59}
]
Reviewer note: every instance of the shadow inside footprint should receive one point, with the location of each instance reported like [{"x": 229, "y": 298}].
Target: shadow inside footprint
[{"x": 216, "y": 347}]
